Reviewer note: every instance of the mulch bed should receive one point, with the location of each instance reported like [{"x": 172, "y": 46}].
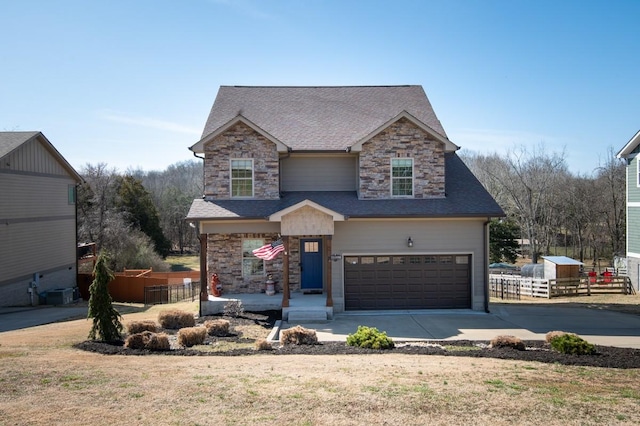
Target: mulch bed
[{"x": 539, "y": 351}]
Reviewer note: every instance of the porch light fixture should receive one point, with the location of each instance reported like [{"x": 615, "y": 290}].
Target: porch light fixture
[{"x": 409, "y": 242}]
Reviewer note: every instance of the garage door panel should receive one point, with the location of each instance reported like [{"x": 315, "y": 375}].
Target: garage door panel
[{"x": 407, "y": 282}]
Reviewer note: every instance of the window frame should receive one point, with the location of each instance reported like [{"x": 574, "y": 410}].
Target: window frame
[
  {"x": 238, "y": 179},
  {"x": 251, "y": 257},
  {"x": 392, "y": 178}
]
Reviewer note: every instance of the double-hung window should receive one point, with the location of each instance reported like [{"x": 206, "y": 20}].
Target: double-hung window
[
  {"x": 402, "y": 177},
  {"x": 251, "y": 265},
  {"x": 242, "y": 178}
]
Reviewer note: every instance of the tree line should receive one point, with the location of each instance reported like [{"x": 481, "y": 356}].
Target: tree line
[
  {"x": 137, "y": 216},
  {"x": 558, "y": 212}
]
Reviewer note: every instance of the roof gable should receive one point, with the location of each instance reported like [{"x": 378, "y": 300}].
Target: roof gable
[
  {"x": 630, "y": 147},
  {"x": 320, "y": 118},
  {"x": 11, "y": 142}
]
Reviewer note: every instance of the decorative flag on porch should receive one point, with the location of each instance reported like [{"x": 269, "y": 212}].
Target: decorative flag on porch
[{"x": 269, "y": 251}]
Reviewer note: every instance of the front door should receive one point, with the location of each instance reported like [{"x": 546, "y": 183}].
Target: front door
[{"x": 311, "y": 264}]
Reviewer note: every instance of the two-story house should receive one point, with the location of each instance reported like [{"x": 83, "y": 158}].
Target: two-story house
[
  {"x": 37, "y": 219},
  {"x": 630, "y": 153},
  {"x": 375, "y": 209}
]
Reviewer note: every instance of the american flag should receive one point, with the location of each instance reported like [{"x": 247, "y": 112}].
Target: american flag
[{"x": 269, "y": 251}]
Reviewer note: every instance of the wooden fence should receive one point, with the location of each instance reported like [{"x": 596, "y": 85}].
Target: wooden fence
[
  {"x": 514, "y": 286},
  {"x": 129, "y": 286}
]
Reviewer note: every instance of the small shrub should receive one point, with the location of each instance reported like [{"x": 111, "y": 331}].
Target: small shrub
[
  {"x": 190, "y": 336},
  {"x": 507, "y": 342},
  {"x": 370, "y": 337},
  {"x": 138, "y": 340},
  {"x": 148, "y": 340},
  {"x": 217, "y": 327},
  {"x": 553, "y": 334},
  {"x": 159, "y": 342},
  {"x": 572, "y": 344},
  {"x": 263, "y": 345},
  {"x": 175, "y": 319},
  {"x": 234, "y": 308},
  {"x": 135, "y": 327},
  {"x": 298, "y": 335}
]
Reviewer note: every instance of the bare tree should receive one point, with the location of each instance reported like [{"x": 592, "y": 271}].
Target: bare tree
[{"x": 610, "y": 204}]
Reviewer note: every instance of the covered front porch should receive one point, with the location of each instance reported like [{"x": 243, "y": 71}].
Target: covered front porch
[{"x": 302, "y": 307}]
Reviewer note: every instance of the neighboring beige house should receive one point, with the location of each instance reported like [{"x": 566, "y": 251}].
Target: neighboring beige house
[
  {"x": 375, "y": 209},
  {"x": 37, "y": 218}
]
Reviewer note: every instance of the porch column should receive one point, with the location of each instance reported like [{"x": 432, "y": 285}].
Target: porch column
[
  {"x": 328, "y": 239},
  {"x": 285, "y": 272},
  {"x": 204, "y": 292}
]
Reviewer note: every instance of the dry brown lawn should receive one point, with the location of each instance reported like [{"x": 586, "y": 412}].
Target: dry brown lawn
[{"x": 44, "y": 381}]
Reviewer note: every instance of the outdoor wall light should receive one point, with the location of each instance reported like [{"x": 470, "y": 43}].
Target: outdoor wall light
[{"x": 409, "y": 242}]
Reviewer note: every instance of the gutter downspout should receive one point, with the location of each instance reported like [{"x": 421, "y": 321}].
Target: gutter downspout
[{"x": 486, "y": 264}]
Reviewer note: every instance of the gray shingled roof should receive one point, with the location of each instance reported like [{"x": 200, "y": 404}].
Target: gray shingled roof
[
  {"x": 9, "y": 141},
  {"x": 465, "y": 197},
  {"x": 320, "y": 118}
]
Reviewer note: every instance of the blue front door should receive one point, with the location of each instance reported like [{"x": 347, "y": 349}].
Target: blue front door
[{"x": 311, "y": 264}]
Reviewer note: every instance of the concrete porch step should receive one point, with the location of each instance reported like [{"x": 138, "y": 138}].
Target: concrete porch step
[{"x": 307, "y": 315}]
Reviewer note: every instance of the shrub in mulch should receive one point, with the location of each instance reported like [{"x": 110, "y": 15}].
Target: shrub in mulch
[
  {"x": 217, "y": 327},
  {"x": 174, "y": 319},
  {"x": 135, "y": 327},
  {"x": 298, "y": 335},
  {"x": 148, "y": 340},
  {"x": 370, "y": 338},
  {"x": 507, "y": 342},
  {"x": 191, "y": 336},
  {"x": 233, "y": 308},
  {"x": 572, "y": 344},
  {"x": 263, "y": 345}
]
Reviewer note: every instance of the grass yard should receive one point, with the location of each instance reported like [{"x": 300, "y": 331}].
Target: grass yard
[
  {"x": 183, "y": 263},
  {"x": 44, "y": 381}
]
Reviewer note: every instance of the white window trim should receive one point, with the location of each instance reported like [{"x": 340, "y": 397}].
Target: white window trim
[
  {"x": 638, "y": 172},
  {"x": 253, "y": 174},
  {"x": 412, "y": 177}
]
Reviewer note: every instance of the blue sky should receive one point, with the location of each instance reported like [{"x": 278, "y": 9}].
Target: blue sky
[{"x": 130, "y": 83}]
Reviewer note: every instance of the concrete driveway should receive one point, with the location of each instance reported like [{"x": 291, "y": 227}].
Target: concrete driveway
[{"x": 528, "y": 322}]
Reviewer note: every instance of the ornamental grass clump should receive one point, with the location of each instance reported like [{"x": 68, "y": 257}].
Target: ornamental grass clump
[
  {"x": 135, "y": 327},
  {"x": 572, "y": 344},
  {"x": 507, "y": 342},
  {"x": 174, "y": 319},
  {"x": 148, "y": 340},
  {"x": 263, "y": 345},
  {"x": 298, "y": 335},
  {"x": 370, "y": 337},
  {"x": 191, "y": 336},
  {"x": 217, "y": 327}
]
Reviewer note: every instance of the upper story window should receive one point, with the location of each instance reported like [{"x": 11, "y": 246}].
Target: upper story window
[
  {"x": 242, "y": 178},
  {"x": 402, "y": 177}
]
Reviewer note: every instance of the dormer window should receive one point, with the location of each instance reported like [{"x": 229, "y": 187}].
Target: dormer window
[
  {"x": 241, "y": 178},
  {"x": 402, "y": 177}
]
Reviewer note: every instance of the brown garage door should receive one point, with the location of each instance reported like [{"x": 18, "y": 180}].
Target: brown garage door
[{"x": 407, "y": 282}]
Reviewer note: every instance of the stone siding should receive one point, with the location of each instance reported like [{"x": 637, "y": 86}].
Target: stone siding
[
  {"x": 240, "y": 141},
  {"x": 224, "y": 258},
  {"x": 402, "y": 139}
]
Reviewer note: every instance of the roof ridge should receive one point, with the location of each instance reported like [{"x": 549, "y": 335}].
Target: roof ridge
[{"x": 323, "y": 87}]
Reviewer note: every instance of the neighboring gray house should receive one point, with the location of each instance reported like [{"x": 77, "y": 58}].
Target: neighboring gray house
[
  {"x": 630, "y": 153},
  {"x": 37, "y": 218},
  {"x": 374, "y": 207}
]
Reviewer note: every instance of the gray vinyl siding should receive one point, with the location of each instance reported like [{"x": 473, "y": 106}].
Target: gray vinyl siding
[
  {"x": 632, "y": 181},
  {"x": 332, "y": 173},
  {"x": 34, "y": 196},
  {"x": 429, "y": 237},
  {"x": 32, "y": 157},
  {"x": 633, "y": 223}
]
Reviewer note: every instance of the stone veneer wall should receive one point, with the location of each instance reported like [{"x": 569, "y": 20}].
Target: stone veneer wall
[
  {"x": 224, "y": 257},
  {"x": 402, "y": 139},
  {"x": 240, "y": 141}
]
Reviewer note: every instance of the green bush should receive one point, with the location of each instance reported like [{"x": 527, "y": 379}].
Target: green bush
[
  {"x": 572, "y": 344},
  {"x": 370, "y": 337}
]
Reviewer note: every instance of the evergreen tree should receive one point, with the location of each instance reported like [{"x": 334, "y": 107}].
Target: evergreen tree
[
  {"x": 106, "y": 320},
  {"x": 502, "y": 241},
  {"x": 137, "y": 203}
]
